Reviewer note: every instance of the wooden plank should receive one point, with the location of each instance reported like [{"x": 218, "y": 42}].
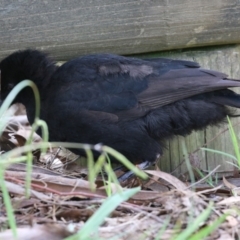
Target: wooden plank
[
  {"x": 225, "y": 59},
  {"x": 71, "y": 28}
]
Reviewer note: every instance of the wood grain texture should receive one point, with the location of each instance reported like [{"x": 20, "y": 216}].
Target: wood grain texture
[{"x": 69, "y": 28}]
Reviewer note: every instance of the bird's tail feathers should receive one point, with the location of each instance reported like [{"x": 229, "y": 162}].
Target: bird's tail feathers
[{"x": 226, "y": 97}]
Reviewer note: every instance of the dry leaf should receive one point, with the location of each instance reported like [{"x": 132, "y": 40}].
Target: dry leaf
[
  {"x": 230, "y": 200},
  {"x": 169, "y": 178},
  {"x": 20, "y": 190},
  {"x": 233, "y": 222},
  {"x": 228, "y": 184},
  {"x": 38, "y": 232}
]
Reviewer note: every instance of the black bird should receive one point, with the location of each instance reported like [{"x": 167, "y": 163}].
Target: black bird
[{"x": 129, "y": 104}]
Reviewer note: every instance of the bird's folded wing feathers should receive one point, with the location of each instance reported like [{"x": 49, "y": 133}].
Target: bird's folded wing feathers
[
  {"x": 182, "y": 83},
  {"x": 129, "y": 91}
]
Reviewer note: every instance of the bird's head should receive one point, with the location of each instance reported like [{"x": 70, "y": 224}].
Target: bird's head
[{"x": 28, "y": 64}]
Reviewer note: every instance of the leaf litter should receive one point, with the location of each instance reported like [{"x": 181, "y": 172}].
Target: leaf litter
[{"x": 61, "y": 201}]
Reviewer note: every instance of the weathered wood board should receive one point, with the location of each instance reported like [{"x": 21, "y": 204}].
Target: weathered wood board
[
  {"x": 71, "y": 28},
  {"x": 225, "y": 59}
]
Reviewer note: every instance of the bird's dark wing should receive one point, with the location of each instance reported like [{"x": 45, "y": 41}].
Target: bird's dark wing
[
  {"x": 126, "y": 88},
  {"x": 182, "y": 83}
]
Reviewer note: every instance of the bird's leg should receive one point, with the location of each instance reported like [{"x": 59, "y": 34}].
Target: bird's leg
[
  {"x": 129, "y": 174},
  {"x": 118, "y": 168}
]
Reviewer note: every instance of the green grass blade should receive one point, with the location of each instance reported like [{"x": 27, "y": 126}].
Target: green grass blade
[
  {"x": 187, "y": 160},
  {"x": 219, "y": 152},
  {"x": 206, "y": 231},
  {"x": 91, "y": 171},
  {"x": 92, "y": 225},
  {"x": 163, "y": 228},
  {"x": 196, "y": 223},
  {"x": 122, "y": 159},
  {"x": 234, "y": 141},
  {"x": 5, "y": 105},
  {"x": 8, "y": 205},
  {"x": 11, "y": 96}
]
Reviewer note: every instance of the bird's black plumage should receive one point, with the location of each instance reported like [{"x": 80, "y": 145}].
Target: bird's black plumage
[{"x": 130, "y": 104}]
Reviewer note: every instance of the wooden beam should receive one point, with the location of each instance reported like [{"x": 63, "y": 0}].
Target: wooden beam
[{"x": 71, "y": 28}]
